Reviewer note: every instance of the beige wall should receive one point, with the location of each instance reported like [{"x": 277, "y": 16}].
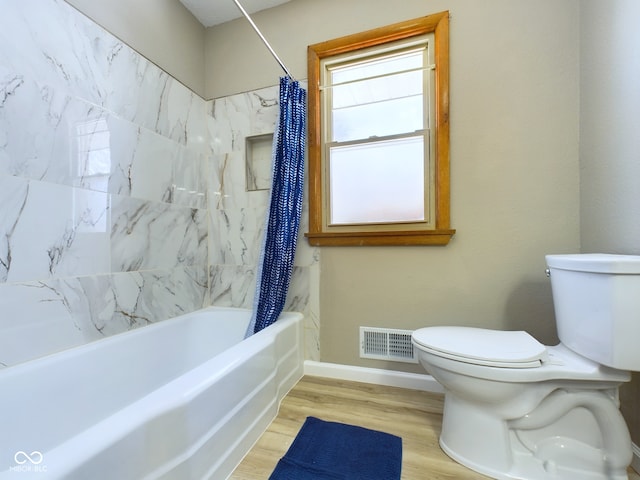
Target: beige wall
[
  {"x": 163, "y": 31},
  {"x": 514, "y": 165},
  {"x": 610, "y": 144},
  {"x": 289, "y": 28}
]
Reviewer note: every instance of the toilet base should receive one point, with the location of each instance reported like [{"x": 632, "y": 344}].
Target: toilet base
[
  {"x": 528, "y": 468},
  {"x": 478, "y": 438}
]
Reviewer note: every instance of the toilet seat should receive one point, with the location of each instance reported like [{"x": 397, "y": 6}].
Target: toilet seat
[{"x": 480, "y": 346}]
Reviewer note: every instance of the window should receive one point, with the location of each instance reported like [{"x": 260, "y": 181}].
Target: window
[{"x": 379, "y": 137}]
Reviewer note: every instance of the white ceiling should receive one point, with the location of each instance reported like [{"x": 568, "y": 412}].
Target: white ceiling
[{"x": 213, "y": 12}]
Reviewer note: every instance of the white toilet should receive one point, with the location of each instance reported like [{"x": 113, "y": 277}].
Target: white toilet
[{"x": 517, "y": 409}]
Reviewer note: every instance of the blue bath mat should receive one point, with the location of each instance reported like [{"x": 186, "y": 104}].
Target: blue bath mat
[{"x": 336, "y": 451}]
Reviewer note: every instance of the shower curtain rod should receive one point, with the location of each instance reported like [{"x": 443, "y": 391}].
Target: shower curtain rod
[{"x": 255, "y": 27}]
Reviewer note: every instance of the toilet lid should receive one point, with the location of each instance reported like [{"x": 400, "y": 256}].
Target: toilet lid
[{"x": 494, "y": 348}]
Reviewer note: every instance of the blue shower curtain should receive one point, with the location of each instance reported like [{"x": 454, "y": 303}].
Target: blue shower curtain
[{"x": 285, "y": 208}]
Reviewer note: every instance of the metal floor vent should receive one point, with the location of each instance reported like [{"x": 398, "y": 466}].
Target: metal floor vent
[{"x": 387, "y": 344}]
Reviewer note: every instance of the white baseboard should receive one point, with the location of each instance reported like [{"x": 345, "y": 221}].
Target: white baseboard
[
  {"x": 392, "y": 378},
  {"x": 635, "y": 463}
]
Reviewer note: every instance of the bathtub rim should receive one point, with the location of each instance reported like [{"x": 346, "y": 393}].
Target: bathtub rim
[{"x": 254, "y": 342}]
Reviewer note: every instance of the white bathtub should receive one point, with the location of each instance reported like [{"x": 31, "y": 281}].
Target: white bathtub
[{"x": 182, "y": 399}]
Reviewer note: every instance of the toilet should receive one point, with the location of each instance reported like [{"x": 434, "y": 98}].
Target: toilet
[{"x": 517, "y": 409}]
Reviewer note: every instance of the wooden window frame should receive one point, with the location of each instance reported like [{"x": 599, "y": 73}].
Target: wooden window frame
[{"x": 441, "y": 234}]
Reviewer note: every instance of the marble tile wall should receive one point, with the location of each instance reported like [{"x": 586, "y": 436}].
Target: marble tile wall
[
  {"x": 105, "y": 166},
  {"x": 104, "y": 163},
  {"x": 237, "y": 213}
]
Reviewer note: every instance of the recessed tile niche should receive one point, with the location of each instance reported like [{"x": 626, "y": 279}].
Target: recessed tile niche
[{"x": 258, "y": 161}]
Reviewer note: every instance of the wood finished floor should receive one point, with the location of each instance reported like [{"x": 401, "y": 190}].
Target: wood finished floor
[{"x": 413, "y": 415}]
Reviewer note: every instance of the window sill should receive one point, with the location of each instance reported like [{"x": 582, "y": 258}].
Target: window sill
[{"x": 401, "y": 238}]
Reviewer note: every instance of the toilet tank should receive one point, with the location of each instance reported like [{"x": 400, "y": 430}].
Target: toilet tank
[{"x": 596, "y": 300}]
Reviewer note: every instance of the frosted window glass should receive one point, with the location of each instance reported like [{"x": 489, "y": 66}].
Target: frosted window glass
[
  {"x": 378, "y": 119},
  {"x": 378, "y": 182},
  {"x": 378, "y": 107},
  {"x": 380, "y": 66},
  {"x": 377, "y": 89}
]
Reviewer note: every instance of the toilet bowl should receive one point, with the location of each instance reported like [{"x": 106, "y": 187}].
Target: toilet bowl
[{"x": 517, "y": 409}]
